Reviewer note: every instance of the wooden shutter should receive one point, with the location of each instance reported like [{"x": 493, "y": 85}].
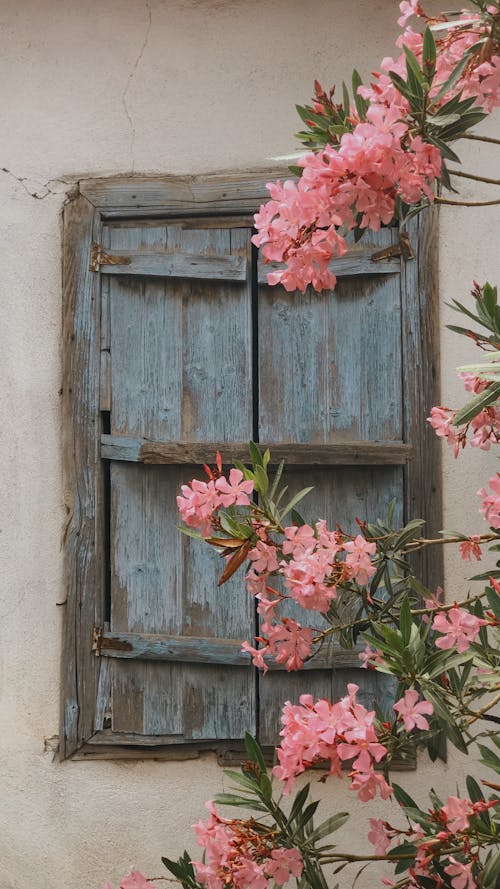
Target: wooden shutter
[
  {"x": 330, "y": 372},
  {"x": 180, "y": 371},
  {"x": 175, "y": 345}
]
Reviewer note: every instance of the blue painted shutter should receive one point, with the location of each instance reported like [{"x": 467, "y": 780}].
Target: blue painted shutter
[
  {"x": 178, "y": 366},
  {"x": 180, "y": 357}
]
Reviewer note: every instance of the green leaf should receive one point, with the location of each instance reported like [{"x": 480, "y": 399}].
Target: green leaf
[
  {"x": 403, "y": 798},
  {"x": 329, "y": 826},
  {"x": 491, "y": 870},
  {"x": 255, "y": 454},
  {"x": 429, "y": 55},
  {"x": 189, "y": 532},
  {"x": 493, "y": 601},
  {"x": 276, "y": 480},
  {"x": 345, "y": 99},
  {"x": 451, "y": 81},
  {"x": 489, "y": 758},
  {"x": 297, "y": 519},
  {"x": 254, "y": 752},
  {"x": 442, "y": 713},
  {"x": 296, "y": 499},
  {"x": 361, "y": 104},
  {"x": 405, "y": 622},
  {"x": 474, "y": 790},
  {"x": 299, "y": 801},
  {"x": 250, "y": 783},
  {"x": 261, "y": 480},
  {"x": 477, "y": 404},
  {"x": 230, "y": 799}
]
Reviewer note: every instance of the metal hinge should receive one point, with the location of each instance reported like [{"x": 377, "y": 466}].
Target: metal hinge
[
  {"x": 402, "y": 248},
  {"x": 99, "y": 257},
  {"x": 97, "y": 640}
]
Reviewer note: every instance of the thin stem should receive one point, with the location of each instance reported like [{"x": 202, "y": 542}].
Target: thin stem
[
  {"x": 475, "y": 138},
  {"x": 465, "y": 203},
  {"x": 479, "y": 713},
  {"x": 474, "y": 177},
  {"x": 439, "y": 541}
]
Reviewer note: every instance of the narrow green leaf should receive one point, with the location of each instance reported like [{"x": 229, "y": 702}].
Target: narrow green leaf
[
  {"x": 403, "y": 798},
  {"x": 296, "y": 499},
  {"x": 254, "y": 752},
  {"x": 189, "y": 532},
  {"x": 345, "y": 99},
  {"x": 255, "y": 454},
  {"x": 329, "y": 826},
  {"x": 452, "y": 80},
  {"x": 429, "y": 55},
  {"x": 477, "y": 404},
  {"x": 405, "y": 622}
]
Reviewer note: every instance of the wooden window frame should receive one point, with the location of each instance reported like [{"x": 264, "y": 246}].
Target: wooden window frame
[{"x": 238, "y": 195}]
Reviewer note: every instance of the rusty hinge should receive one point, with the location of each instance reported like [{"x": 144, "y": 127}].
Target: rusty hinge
[
  {"x": 97, "y": 640},
  {"x": 402, "y": 248},
  {"x": 99, "y": 257}
]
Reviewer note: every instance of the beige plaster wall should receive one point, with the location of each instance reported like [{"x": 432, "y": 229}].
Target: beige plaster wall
[{"x": 165, "y": 86}]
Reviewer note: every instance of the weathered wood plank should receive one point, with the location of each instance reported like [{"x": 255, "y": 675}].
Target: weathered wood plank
[
  {"x": 177, "y": 265},
  {"x": 358, "y": 261},
  {"x": 181, "y": 368},
  {"x": 202, "y": 650},
  {"x": 360, "y": 453},
  {"x": 420, "y": 332},
  {"x": 238, "y": 192},
  {"x": 83, "y": 474},
  {"x": 330, "y": 362}
]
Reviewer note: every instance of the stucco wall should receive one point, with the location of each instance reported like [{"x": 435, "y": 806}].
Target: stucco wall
[{"x": 99, "y": 88}]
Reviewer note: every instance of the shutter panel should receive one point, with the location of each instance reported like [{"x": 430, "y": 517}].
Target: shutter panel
[
  {"x": 181, "y": 370},
  {"x": 330, "y": 371}
]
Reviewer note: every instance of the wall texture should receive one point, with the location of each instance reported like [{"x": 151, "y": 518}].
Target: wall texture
[{"x": 165, "y": 86}]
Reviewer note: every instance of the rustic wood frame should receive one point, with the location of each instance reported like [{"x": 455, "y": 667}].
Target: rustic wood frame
[{"x": 238, "y": 195}]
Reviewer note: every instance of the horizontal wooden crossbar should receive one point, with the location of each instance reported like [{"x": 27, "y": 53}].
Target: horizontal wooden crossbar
[
  {"x": 175, "y": 265},
  {"x": 349, "y": 453},
  {"x": 200, "y": 650},
  {"x": 357, "y": 261}
]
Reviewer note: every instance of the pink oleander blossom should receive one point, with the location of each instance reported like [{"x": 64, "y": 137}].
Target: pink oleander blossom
[
  {"x": 358, "y": 552},
  {"x": 136, "y": 880},
  {"x": 240, "y": 856},
  {"x": 320, "y": 730},
  {"x": 461, "y": 874},
  {"x": 235, "y": 491},
  {"x": 379, "y": 836},
  {"x": 264, "y": 557},
  {"x": 287, "y": 642},
  {"x": 411, "y": 710},
  {"x": 459, "y": 627},
  {"x": 491, "y": 502},
  {"x": 457, "y": 812},
  {"x": 197, "y": 504},
  {"x": 470, "y": 548},
  {"x": 370, "y": 657}
]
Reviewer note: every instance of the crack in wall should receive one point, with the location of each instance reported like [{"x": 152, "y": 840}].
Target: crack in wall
[
  {"x": 129, "y": 84},
  {"x": 37, "y": 191}
]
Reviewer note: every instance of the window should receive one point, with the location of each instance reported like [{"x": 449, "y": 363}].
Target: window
[{"x": 173, "y": 346}]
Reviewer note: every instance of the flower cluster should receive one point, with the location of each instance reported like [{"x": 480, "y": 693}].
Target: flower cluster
[
  {"x": 240, "y": 854},
  {"x": 459, "y": 629},
  {"x": 200, "y": 499},
  {"x": 317, "y": 731},
  {"x": 380, "y": 159},
  {"x": 441, "y": 830},
  {"x": 481, "y": 432}
]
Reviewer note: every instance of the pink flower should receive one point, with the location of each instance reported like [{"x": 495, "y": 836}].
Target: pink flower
[
  {"x": 379, "y": 836},
  {"x": 370, "y": 657},
  {"x": 263, "y": 557},
  {"x": 459, "y": 628},
  {"x": 441, "y": 420},
  {"x": 491, "y": 502},
  {"x": 470, "y": 547},
  {"x": 136, "y": 880},
  {"x": 457, "y": 813},
  {"x": 358, "y": 552},
  {"x": 411, "y": 711},
  {"x": 283, "y": 864},
  {"x": 198, "y": 503},
  {"x": 235, "y": 491},
  {"x": 461, "y": 873}
]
